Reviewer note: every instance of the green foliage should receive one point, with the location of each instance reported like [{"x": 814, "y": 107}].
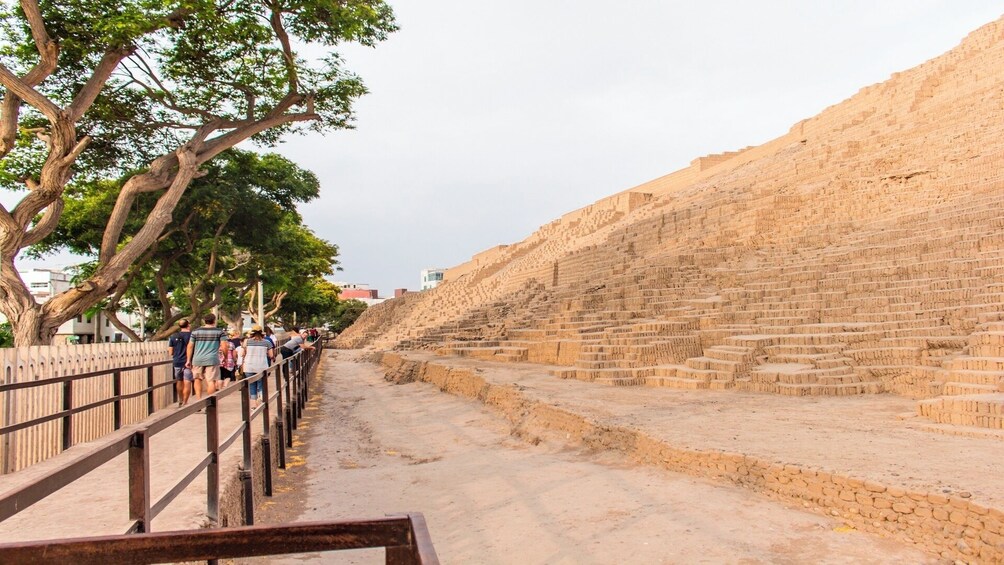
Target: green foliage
[
  {"x": 345, "y": 314},
  {"x": 189, "y": 62},
  {"x": 6, "y": 335},
  {"x": 111, "y": 107},
  {"x": 313, "y": 300},
  {"x": 236, "y": 220}
]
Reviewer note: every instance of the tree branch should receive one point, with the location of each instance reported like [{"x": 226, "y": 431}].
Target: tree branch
[
  {"x": 8, "y": 225},
  {"x": 112, "y": 316},
  {"x": 167, "y": 328},
  {"x": 27, "y": 92},
  {"x": 89, "y": 93},
  {"x": 211, "y": 270},
  {"x": 276, "y": 303},
  {"x": 36, "y": 23},
  {"x": 161, "y": 174},
  {"x": 46, "y": 225},
  {"x": 48, "y": 51},
  {"x": 276, "y": 117},
  {"x": 72, "y": 301},
  {"x": 287, "y": 51},
  {"x": 55, "y": 173}
]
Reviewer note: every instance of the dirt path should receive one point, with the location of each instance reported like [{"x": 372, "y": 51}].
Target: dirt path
[{"x": 375, "y": 448}]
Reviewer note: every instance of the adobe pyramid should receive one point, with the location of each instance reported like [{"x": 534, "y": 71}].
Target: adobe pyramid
[{"x": 861, "y": 252}]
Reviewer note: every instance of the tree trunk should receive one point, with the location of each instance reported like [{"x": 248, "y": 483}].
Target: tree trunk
[
  {"x": 234, "y": 322},
  {"x": 112, "y": 317},
  {"x": 29, "y": 329}
]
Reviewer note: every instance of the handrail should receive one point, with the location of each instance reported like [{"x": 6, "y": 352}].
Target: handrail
[
  {"x": 81, "y": 376},
  {"x": 406, "y": 538},
  {"x": 68, "y": 411},
  {"x": 292, "y": 373},
  {"x": 66, "y": 440},
  {"x": 96, "y": 404}
]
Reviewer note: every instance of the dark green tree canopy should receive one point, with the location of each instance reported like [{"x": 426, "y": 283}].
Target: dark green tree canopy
[
  {"x": 236, "y": 221},
  {"x": 346, "y": 313},
  {"x": 137, "y": 96}
]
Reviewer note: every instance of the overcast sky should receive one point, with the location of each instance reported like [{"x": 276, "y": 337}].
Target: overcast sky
[{"x": 487, "y": 119}]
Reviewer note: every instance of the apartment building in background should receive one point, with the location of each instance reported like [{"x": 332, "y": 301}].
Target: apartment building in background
[
  {"x": 432, "y": 277},
  {"x": 43, "y": 284}
]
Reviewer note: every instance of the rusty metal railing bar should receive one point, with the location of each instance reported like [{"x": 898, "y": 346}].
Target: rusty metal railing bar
[
  {"x": 64, "y": 413},
  {"x": 422, "y": 539},
  {"x": 16, "y": 500},
  {"x": 246, "y": 541},
  {"x": 139, "y": 479},
  {"x": 232, "y": 437},
  {"x": 20, "y": 498},
  {"x": 64, "y": 378}
]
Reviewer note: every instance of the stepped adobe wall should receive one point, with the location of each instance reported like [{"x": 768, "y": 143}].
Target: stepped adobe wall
[{"x": 861, "y": 252}]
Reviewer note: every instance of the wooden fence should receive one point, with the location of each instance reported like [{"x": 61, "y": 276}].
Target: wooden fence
[{"x": 25, "y": 447}]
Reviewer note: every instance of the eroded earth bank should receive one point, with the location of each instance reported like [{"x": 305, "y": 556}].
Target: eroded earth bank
[{"x": 505, "y": 471}]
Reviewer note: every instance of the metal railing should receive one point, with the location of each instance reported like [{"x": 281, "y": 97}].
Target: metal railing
[
  {"x": 406, "y": 539},
  {"x": 289, "y": 397},
  {"x": 68, "y": 410}
]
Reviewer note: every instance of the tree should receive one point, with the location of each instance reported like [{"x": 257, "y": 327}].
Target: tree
[
  {"x": 311, "y": 303},
  {"x": 148, "y": 92},
  {"x": 237, "y": 220},
  {"x": 346, "y": 313}
]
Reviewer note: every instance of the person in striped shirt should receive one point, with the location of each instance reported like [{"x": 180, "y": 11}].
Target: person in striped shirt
[
  {"x": 204, "y": 349},
  {"x": 258, "y": 355}
]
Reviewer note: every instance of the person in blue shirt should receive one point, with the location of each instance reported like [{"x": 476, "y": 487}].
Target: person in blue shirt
[{"x": 178, "y": 346}]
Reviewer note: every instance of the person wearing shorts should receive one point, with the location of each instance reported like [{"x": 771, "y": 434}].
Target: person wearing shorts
[
  {"x": 178, "y": 346},
  {"x": 204, "y": 355}
]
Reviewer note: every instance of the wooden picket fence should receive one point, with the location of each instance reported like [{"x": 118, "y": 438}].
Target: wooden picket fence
[{"x": 24, "y": 447}]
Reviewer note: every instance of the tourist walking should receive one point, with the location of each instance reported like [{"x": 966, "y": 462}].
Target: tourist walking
[
  {"x": 258, "y": 356},
  {"x": 228, "y": 362},
  {"x": 204, "y": 349},
  {"x": 178, "y": 346}
]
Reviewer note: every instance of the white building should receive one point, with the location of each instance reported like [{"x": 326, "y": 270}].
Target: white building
[
  {"x": 432, "y": 277},
  {"x": 43, "y": 284}
]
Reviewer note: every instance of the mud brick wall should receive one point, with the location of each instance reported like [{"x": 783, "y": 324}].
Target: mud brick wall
[
  {"x": 952, "y": 527},
  {"x": 858, "y": 253}
]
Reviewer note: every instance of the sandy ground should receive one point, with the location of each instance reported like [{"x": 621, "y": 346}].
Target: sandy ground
[
  {"x": 375, "y": 448},
  {"x": 873, "y": 436}
]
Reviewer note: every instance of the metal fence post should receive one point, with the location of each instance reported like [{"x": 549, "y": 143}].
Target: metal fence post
[
  {"x": 266, "y": 434},
  {"x": 68, "y": 419},
  {"x": 279, "y": 428},
  {"x": 149, "y": 390},
  {"x": 247, "y": 467},
  {"x": 213, "y": 470},
  {"x": 310, "y": 367},
  {"x": 290, "y": 417},
  {"x": 139, "y": 482},
  {"x": 117, "y": 394},
  {"x": 299, "y": 386}
]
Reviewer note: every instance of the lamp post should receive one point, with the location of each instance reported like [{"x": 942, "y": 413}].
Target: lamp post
[{"x": 261, "y": 302}]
